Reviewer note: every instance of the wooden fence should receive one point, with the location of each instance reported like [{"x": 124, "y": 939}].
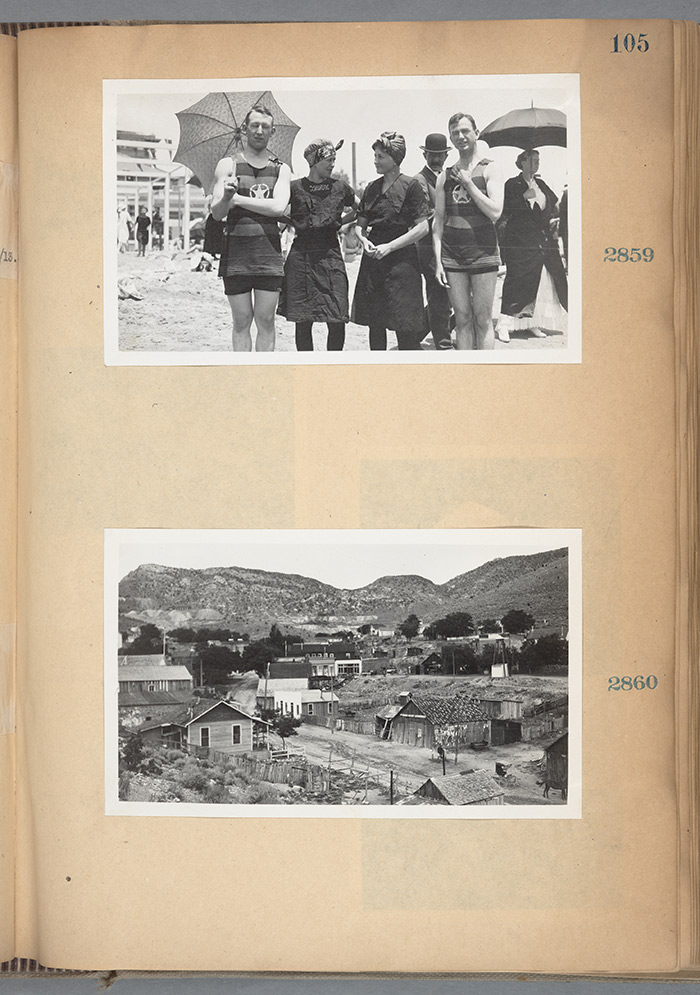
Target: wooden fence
[{"x": 312, "y": 777}]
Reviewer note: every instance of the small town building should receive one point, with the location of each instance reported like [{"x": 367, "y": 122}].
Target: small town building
[
  {"x": 429, "y": 720},
  {"x": 152, "y": 673},
  {"x": 277, "y": 693},
  {"x": 556, "y": 773},
  {"x": 431, "y": 664},
  {"x": 475, "y": 788},
  {"x": 225, "y": 727},
  {"x": 137, "y": 707}
]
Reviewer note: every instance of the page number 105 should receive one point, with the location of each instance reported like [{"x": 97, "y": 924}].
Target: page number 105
[{"x": 630, "y": 43}]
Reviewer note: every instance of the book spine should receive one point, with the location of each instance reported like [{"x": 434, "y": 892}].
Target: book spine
[
  {"x": 8, "y": 481},
  {"x": 687, "y": 326}
]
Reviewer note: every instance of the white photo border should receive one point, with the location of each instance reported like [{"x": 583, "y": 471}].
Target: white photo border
[
  {"x": 114, "y": 356},
  {"x": 514, "y": 541}
]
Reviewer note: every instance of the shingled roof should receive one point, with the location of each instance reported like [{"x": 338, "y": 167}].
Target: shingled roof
[
  {"x": 465, "y": 789},
  {"x": 447, "y": 711}
]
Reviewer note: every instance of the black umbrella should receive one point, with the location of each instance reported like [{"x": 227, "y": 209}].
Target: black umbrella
[
  {"x": 527, "y": 128},
  {"x": 212, "y": 129}
]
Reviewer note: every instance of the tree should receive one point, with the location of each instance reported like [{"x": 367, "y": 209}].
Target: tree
[
  {"x": 410, "y": 626},
  {"x": 285, "y": 726},
  {"x": 549, "y": 651},
  {"x": 459, "y": 660},
  {"x": 276, "y": 639},
  {"x": 517, "y": 620},
  {"x": 133, "y": 752},
  {"x": 490, "y": 625},
  {"x": 257, "y": 655},
  {"x": 454, "y": 624},
  {"x": 148, "y": 641},
  {"x": 217, "y": 663}
]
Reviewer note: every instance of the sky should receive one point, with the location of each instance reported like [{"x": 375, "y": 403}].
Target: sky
[
  {"x": 346, "y": 559},
  {"x": 360, "y": 109}
]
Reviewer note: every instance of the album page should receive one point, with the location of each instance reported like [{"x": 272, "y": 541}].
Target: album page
[
  {"x": 173, "y": 479},
  {"x": 8, "y": 480}
]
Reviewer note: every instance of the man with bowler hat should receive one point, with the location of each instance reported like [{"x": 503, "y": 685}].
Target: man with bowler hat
[{"x": 435, "y": 152}]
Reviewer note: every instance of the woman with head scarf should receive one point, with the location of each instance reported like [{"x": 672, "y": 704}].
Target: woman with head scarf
[
  {"x": 535, "y": 291},
  {"x": 392, "y": 217},
  {"x": 315, "y": 281}
]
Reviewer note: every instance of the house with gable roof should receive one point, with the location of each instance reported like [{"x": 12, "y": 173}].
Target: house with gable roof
[
  {"x": 225, "y": 727},
  {"x": 475, "y": 788}
]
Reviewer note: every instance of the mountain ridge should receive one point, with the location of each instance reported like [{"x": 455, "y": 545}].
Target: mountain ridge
[{"x": 537, "y": 583}]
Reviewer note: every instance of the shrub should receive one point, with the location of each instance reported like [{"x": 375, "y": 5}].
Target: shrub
[{"x": 261, "y": 794}]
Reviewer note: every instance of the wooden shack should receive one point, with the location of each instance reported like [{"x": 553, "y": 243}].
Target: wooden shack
[
  {"x": 557, "y": 765},
  {"x": 476, "y": 788},
  {"x": 428, "y": 721}
]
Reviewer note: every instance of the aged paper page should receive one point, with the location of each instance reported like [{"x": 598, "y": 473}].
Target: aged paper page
[
  {"x": 587, "y": 446},
  {"x": 8, "y": 480}
]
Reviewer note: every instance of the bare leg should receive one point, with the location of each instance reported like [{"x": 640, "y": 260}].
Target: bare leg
[
  {"x": 483, "y": 291},
  {"x": 461, "y": 300},
  {"x": 265, "y": 305},
  {"x": 242, "y": 311}
]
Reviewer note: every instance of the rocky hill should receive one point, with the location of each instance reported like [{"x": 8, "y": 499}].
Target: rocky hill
[{"x": 242, "y": 598}]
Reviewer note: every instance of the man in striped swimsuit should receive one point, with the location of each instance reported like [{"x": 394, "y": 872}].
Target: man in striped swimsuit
[{"x": 251, "y": 192}]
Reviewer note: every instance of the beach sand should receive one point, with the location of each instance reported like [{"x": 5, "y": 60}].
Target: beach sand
[{"x": 186, "y": 311}]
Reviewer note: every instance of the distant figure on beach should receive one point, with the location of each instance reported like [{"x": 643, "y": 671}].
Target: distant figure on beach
[
  {"x": 315, "y": 281},
  {"x": 535, "y": 292},
  {"x": 435, "y": 152},
  {"x": 143, "y": 223},
  {"x": 251, "y": 192},
  {"x": 392, "y": 217},
  {"x": 468, "y": 202},
  {"x": 157, "y": 228},
  {"x": 123, "y": 228}
]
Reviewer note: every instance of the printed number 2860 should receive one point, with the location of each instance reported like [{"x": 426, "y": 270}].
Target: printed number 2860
[
  {"x": 623, "y": 255},
  {"x": 633, "y": 683}
]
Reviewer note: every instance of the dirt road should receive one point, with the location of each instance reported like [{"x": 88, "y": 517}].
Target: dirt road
[{"x": 413, "y": 765}]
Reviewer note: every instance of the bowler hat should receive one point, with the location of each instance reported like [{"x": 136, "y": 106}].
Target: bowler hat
[{"x": 435, "y": 143}]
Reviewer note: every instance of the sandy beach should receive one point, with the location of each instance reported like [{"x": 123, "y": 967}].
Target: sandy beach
[{"x": 183, "y": 310}]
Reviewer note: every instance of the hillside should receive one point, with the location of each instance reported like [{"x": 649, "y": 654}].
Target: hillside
[{"x": 242, "y": 598}]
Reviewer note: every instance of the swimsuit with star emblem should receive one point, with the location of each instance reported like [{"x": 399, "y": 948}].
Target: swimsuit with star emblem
[
  {"x": 251, "y": 244},
  {"x": 469, "y": 239}
]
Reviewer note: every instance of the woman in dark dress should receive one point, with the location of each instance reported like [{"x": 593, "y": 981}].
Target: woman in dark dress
[
  {"x": 315, "y": 281},
  {"x": 535, "y": 288},
  {"x": 393, "y": 216}
]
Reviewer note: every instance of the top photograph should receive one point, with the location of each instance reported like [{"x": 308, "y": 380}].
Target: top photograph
[{"x": 306, "y": 221}]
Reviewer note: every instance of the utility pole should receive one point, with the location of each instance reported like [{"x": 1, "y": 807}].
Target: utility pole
[{"x": 391, "y": 787}]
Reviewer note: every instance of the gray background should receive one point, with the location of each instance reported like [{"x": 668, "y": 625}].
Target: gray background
[{"x": 338, "y": 10}]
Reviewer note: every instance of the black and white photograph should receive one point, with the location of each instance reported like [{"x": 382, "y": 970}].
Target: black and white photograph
[
  {"x": 342, "y": 220},
  {"x": 345, "y": 673}
]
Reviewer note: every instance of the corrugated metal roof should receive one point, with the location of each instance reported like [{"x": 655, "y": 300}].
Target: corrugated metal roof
[
  {"x": 141, "y": 660},
  {"x": 132, "y": 699},
  {"x": 174, "y": 672}
]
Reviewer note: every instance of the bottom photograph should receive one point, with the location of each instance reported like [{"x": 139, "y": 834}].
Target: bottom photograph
[{"x": 345, "y": 673}]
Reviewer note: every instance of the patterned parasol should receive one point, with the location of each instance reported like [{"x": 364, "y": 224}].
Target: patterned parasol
[
  {"x": 527, "y": 128},
  {"x": 211, "y": 129}
]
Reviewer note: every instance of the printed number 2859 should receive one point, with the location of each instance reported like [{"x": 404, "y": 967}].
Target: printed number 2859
[{"x": 623, "y": 255}]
